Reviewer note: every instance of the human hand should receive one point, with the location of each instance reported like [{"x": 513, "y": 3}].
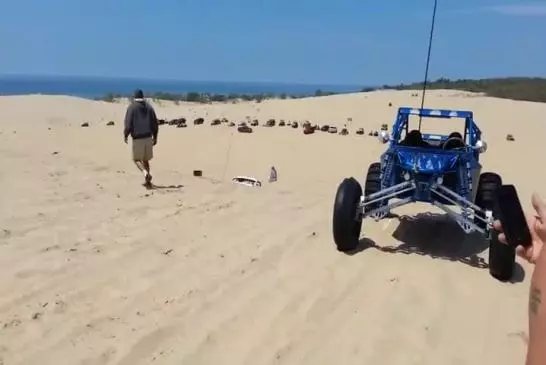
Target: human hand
[
  {"x": 155, "y": 141},
  {"x": 537, "y": 227},
  {"x": 125, "y": 139}
]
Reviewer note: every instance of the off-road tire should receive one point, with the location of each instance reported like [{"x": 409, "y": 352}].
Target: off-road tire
[
  {"x": 486, "y": 195},
  {"x": 502, "y": 257},
  {"x": 346, "y": 226},
  {"x": 373, "y": 183}
]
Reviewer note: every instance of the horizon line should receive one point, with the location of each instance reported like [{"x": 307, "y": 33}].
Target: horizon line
[{"x": 136, "y": 78}]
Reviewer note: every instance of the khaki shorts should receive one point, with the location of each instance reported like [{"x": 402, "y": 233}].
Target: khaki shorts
[{"x": 143, "y": 149}]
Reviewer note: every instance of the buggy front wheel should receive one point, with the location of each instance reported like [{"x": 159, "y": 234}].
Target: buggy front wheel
[{"x": 346, "y": 224}]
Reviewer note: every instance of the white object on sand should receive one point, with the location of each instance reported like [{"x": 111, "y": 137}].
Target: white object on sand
[{"x": 247, "y": 181}]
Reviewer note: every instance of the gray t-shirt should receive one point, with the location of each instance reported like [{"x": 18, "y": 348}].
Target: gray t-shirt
[{"x": 140, "y": 121}]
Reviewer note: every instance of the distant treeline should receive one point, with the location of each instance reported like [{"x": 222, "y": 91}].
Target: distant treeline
[
  {"x": 516, "y": 88},
  {"x": 196, "y": 97}
]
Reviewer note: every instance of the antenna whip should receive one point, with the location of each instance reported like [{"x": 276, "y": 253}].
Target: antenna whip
[{"x": 428, "y": 59}]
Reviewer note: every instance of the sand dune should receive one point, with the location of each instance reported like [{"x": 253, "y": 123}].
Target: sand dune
[{"x": 94, "y": 269}]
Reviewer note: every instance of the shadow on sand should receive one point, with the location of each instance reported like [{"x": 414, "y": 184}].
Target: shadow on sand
[
  {"x": 437, "y": 236},
  {"x": 162, "y": 187}
]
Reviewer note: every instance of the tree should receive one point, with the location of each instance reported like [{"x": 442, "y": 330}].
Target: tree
[{"x": 193, "y": 97}]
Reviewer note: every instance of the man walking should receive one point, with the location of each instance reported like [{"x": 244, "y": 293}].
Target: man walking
[{"x": 141, "y": 124}]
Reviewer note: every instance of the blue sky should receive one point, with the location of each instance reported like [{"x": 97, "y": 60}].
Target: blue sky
[{"x": 309, "y": 41}]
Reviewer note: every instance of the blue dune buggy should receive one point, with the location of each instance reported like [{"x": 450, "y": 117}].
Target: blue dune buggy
[{"x": 443, "y": 170}]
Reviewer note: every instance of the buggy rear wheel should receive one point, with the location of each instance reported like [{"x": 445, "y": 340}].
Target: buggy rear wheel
[
  {"x": 346, "y": 225},
  {"x": 502, "y": 257}
]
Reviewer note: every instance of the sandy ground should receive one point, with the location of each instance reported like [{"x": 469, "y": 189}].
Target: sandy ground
[{"x": 95, "y": 269}]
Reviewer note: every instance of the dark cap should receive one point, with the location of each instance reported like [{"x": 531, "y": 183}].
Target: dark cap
[{"x": 139, "y": 94}]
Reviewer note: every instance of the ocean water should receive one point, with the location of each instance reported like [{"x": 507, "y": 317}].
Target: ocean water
[{"x": 96, "y": 87}]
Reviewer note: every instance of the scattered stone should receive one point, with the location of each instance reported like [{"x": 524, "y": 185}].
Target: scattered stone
[
  {"x": 199, "y": 121},
  {"x": 168, "y": 251},
  {"x": 244, "y": 129},
  {"x": 308, "y": 130},
  {"x": 344, "y": 132},
  {"x": 510, "y": 137},
  {"x": 16, "y": 322},
  {"x": 110, "y": 123},
  {"x": 216, "y": 122},
  {"x": 332, "y": 130},
  {"x": 85, "y": 124},
  {"x": 360, "y": 131},
  {"x": 54, "y": 247}
]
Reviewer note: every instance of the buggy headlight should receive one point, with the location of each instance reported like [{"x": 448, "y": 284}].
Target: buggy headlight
[
  {"x": 384, "y": 136},
  {"x": 481, "y": 146},
  {"x": 440, "y": 180},
  {"x": 406, "y": 176}
]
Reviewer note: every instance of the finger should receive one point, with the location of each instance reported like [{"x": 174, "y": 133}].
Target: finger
[
  {"x": 502, "y": 238},
  {"x": 497, "y": 225},
  {"x": 532, "y": 223},
  {"x": 539, "y": 205},
  {"x": 539, "y": 224},
  {"x": 521, "y": 252}
]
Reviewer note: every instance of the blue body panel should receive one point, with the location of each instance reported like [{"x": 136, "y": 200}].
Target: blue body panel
[{"x": 428, "y": 162}]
